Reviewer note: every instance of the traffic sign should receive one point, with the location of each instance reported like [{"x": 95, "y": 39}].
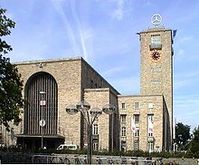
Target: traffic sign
[{"x": 42, "y": 122}]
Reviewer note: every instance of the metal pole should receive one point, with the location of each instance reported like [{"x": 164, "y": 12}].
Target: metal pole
[
  {"x": 89, "y": 141},
  {"x": 42, "y": 138}
]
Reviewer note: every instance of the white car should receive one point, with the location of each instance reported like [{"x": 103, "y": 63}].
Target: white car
[{"x": 67, "y": 147}]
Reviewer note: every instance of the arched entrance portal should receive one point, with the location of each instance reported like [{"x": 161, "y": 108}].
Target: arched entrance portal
[{"x": 40, "y": 112}]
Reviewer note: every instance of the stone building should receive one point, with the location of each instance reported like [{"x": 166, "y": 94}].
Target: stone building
[
  {"x": 147, "y": 119},
  {"x": 49, "y": 87},
  {"x": 141, "y": 121}
]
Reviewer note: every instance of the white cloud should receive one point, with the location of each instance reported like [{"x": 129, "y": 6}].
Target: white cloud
[
  {"x": 58, "y": 5},
  {"x": 80, "y": 35},
  {"x": 85, "y": 34},
  {"x": 118, "y": 13},
  {"x": 121, "y": 9},
  {"x": 86, "y": 38}
]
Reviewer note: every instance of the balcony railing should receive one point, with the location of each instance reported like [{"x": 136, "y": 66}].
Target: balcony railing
[{"x": 155, "y": 46}]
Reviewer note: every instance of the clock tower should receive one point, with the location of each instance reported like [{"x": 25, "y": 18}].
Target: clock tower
[{"x": 157, "y": 70}]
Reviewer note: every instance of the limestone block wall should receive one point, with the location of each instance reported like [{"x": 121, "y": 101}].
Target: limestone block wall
[
  {"x": 143, "y": 111},
  {"x": 98, "y": 98},
  {"x": 67, "y": 74}
]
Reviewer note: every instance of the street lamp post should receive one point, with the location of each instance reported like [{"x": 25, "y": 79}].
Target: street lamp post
[{"x": 89, "y": 114}]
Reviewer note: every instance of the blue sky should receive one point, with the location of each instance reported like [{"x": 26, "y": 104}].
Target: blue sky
[{"x": 104, "y": 33}]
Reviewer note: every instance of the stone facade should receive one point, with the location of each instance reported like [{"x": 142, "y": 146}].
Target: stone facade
[
  {"x": 142, "y": 110},
  {"x": 157, "y": 74},
  {"x": 108, "y": 124},
  {"x": 140, "y": 121}
]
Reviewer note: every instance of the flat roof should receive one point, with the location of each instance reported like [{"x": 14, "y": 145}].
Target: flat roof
[
  {"x": 140, "y": 95},
  {"x": 155, "y": 29},
  {"x": 48, "y": 60}
]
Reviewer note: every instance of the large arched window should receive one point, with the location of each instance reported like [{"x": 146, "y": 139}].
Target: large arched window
[{"x": 41, "y": 99}]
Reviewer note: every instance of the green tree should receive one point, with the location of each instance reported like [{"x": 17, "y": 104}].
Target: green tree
[
  {"x": 10, "y": 83},
  {"x": 182, "y": 135},
  {"x": 194, "y": 147}
]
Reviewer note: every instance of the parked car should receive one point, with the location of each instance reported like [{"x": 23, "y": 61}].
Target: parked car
[{"x": 67, "y": 147}]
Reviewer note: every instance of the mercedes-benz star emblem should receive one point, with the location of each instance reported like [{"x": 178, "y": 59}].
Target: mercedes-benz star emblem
[{"x": 156, "y": 19}]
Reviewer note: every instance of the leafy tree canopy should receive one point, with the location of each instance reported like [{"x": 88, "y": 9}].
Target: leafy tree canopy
[
  {"x": 182, "y": 135},
  {"x": 10, "y": 83},
  {"x": 195, "y": 141}
]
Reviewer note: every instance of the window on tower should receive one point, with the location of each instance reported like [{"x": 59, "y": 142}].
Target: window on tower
[{"x": 155, "y": 42}]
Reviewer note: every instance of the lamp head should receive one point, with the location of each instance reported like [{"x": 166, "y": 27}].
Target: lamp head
[
  {"x": 109, "y": 109},
  {"x": 95, "y": 112},
  {"x": 71, "y": 110}
]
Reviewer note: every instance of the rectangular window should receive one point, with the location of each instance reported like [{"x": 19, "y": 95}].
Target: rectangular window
[
  {"x": 95, "y": 146},
  {"x": 95, "y": 129},
  {"x": 136, "y": 119},
  {"x": 150, "y": 146},
  {"x": 155, "y": 39},
  {"x": 123, "y": 106},
  {"x": 123, "y": 131},
  {"x": 123, "y": 119},
  {"x": 137, "y": 132},
  {"x": 137, "y": 105},
  {"x": 150, "y": 134},
  {"x": 155, "y": 42},
  {"x": 136, "y": 145}
]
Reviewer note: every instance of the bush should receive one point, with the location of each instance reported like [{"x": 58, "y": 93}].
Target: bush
[{"x": 10, "y": 157}]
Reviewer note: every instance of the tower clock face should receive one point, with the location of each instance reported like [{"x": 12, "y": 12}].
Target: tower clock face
[{"x": 156, "y": 55}]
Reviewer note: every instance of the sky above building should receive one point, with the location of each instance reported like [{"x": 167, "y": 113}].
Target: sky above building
[{"x": 103, "y": 32}]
